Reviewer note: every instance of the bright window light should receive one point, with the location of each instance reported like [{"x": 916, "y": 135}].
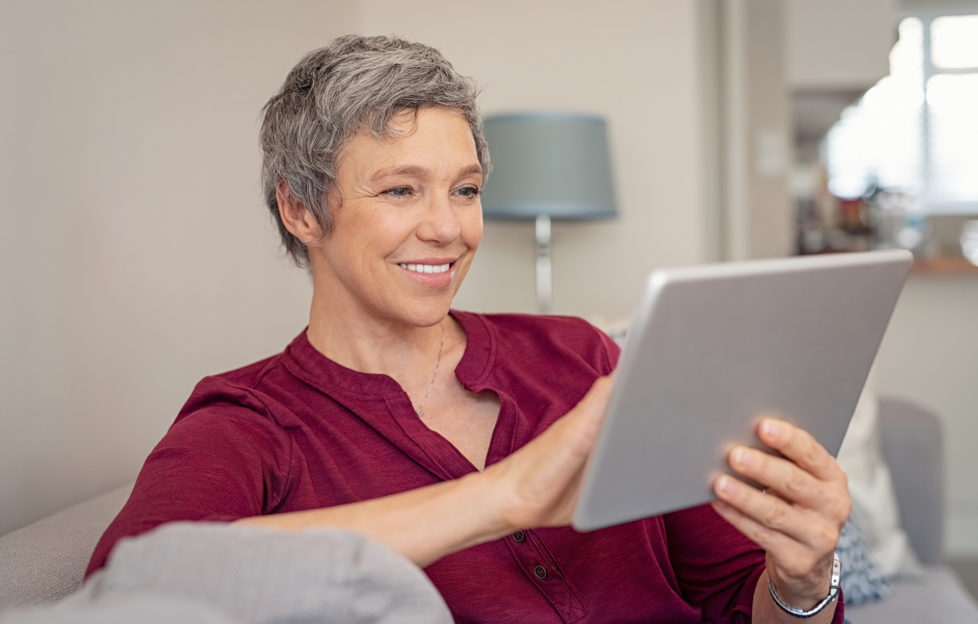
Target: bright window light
[{"x": 916, "y": 130}]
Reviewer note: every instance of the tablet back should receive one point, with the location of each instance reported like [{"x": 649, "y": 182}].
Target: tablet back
[{"x": 711, "y": 348}]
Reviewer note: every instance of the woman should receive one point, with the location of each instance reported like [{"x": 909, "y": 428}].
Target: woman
[{"x": 455, "y": 438}]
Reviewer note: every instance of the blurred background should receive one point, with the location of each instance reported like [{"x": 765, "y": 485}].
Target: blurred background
[{"x": 137, "y": 256}]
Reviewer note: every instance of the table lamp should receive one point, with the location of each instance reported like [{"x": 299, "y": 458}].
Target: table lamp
[{"x": 548, "y": 166}]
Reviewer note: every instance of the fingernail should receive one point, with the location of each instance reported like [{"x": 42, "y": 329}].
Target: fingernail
[
  {"x": 741, "y": 457},
  {"x": 724, "y": 484},
  {"x": 771, "y": 428}
]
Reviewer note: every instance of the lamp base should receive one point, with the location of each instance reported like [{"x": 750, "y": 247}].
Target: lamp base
[{"x": 544, "y": 265}]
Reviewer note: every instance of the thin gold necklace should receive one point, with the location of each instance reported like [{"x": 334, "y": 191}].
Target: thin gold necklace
[{"x": 434, "y": 376}]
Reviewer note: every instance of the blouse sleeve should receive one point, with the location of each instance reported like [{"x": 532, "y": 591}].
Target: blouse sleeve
[{"x": 222, "y": 459}]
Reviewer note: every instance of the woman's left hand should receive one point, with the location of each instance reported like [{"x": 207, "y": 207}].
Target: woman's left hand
[{"x": 798, "y": 515}]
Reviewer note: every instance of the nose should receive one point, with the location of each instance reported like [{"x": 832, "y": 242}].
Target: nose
[{"x": 439, "y": 223}]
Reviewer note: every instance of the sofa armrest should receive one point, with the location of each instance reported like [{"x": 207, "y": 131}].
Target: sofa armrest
[
  {"x": 911, "y": 438},
  {"x": 46, "y": 560}
]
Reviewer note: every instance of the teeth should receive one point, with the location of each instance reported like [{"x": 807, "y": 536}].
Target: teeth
[{"x": 425, "y": 268}]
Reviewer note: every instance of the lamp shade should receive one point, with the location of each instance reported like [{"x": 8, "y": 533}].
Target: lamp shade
[{"x": 553, "y": 164}]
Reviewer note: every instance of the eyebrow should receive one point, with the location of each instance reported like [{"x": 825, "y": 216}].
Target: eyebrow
[{"x": 416, "y": 171}]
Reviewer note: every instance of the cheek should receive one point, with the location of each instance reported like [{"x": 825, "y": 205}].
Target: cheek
[
  {"x": 384, "y": 233},
  {"x": 472, "y": 230}
]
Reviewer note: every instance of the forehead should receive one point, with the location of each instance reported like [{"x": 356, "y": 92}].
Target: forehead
[{"x": 428, "y": 135}]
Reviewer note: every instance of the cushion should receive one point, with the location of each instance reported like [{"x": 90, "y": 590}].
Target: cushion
[
  {"x": 874, "y": 504},
  {"x": 861, "y": 581}
]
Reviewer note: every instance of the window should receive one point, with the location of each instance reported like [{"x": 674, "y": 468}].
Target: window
[{"x": 916, "y": 130}]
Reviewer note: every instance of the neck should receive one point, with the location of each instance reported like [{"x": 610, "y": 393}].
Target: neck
[
  {"x": 384, "y": 350},
  {"x": 383, "y": 346}
]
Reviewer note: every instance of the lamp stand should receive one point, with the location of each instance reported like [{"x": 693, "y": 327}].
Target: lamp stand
[{"x": 544, "y": 265}]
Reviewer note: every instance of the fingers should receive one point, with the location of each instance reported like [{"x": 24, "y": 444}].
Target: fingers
[
  {"x": 581, "y": 425},
  {"x": 805, "y": 474},
  {"x": 564, "y": 447},
  {"x": 785, "y": 479},
  {"x": 799, "y": 446},
  {"x": 804, "y": 496},
  {"x": 774, "y": 523},
  {"x": 539, "y": 484}
]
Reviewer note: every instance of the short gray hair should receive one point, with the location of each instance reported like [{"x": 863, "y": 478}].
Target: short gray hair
[{"x": 355, "y": 83}]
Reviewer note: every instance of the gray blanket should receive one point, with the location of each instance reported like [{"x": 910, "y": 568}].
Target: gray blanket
[{"x": 204, "y": 573}]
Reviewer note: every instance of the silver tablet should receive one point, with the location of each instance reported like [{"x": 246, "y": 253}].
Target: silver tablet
[{"x": 713, "y": 347}]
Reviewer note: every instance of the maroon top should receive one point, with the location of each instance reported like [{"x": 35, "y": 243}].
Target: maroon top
[{"x": 298, "y": 431}]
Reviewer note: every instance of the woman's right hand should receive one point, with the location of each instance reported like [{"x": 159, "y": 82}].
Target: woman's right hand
[{"x": 539, "y": 484}]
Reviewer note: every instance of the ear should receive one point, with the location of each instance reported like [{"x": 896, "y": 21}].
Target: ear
[{"x": 298, "y": 219}]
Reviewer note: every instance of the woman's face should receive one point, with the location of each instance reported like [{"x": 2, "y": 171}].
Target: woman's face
[{"x": 407, "y": 220}]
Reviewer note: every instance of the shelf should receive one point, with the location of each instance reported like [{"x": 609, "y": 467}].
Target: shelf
[{"x": 944, "y": 265}]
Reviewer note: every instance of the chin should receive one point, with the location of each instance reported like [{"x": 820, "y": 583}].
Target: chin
[
  {"x": 434, "y": 317},
  {"x": 424, "y": 314}
]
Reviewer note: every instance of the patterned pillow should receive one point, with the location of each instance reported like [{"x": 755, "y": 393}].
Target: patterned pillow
[{"x": 861, "y": 580}]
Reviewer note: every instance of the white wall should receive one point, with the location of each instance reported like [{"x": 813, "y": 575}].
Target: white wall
[
  {"x": 839, "y": 44},
  {"x": 756, "y": 130},
  {"x": 136, "y": 253}
]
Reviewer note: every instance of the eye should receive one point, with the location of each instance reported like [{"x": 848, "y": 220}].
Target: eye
[
  {"x": 470, "y": 192},
  {"x": 398, "y": 191}
]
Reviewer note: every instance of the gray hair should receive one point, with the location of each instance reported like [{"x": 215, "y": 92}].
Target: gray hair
[{"x": 355, "y": 83}]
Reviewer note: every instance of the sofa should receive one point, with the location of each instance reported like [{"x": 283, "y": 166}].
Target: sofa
[
  {"x": 44, "y": 562},
  {"x": 912, "y": 444}
]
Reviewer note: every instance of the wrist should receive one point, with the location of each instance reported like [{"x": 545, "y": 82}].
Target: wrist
[
  {"x": 810, "y": 609},
  {"x": 488, "y": 504}
]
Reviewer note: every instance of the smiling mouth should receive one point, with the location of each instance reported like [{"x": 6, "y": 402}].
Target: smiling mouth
[{"x": 425, "y": 268}]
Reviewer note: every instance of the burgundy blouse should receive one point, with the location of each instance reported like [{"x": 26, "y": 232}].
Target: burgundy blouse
[{"x": 298, "y": 431}]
